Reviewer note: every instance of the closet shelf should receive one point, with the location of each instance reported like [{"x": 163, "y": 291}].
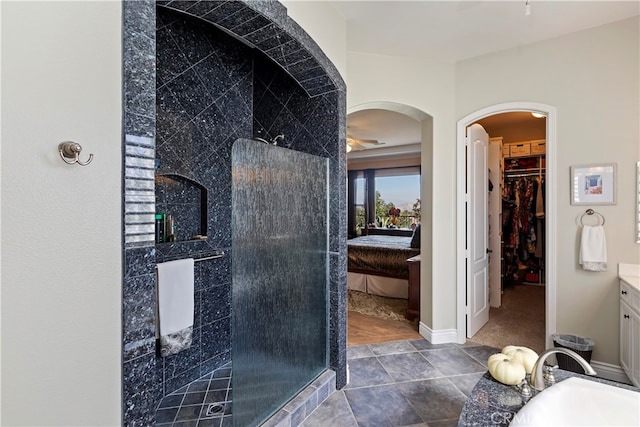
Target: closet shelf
[{"x": 530, "y": 170}]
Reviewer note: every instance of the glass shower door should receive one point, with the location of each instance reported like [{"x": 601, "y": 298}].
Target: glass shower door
[{"x": 279, "y": 274}]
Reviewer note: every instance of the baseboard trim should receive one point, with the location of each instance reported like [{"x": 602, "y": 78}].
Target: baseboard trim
[
  {"x": 604, "y": 370},
  {"x": 442, "y": 336},
  {"x": 610, "y": 372}
]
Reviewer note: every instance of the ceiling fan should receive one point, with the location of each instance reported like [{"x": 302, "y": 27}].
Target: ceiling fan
[{"x": 360, "y": 144}]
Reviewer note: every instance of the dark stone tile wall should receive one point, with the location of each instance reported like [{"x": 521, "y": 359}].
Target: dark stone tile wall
[
  {"x": 311, "y": 125},
  {"x": 211, "y": 90},
  {"x": 139, "y": 80},
  {"x": 266, "y": 26},
  {"x": 204, "y": 102},
  {"x": 186, "y": 202},
  {"x": 141, "y": 370},
  {"x": 283, "y": 107}
]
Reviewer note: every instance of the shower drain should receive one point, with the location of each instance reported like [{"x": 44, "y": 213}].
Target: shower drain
[{"x": 215, "y": 409}]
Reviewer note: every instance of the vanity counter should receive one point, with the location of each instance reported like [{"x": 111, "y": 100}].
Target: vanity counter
[
  {"x": 630, "y": 274},
  {"x": 633, "y": 281},
  {"x": 494, "y": 404}
]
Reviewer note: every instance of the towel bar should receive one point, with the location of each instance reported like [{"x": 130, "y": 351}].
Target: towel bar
[
  {"x": 206, "y": 258},
  {"x": 209, "y": 257}
]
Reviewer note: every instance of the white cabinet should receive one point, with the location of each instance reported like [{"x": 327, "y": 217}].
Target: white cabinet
[{"x": 630, "y": 331}]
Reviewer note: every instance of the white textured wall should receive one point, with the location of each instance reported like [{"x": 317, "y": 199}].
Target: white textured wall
[
  {"x": 428, "y": 87},
  {"x": 61, "y": 224},
  {"x": 593, "y": 79},
  {"x": 325, "y": 25}
]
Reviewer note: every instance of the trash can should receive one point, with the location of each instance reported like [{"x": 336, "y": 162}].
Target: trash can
[{"x": 581, "y": 345}]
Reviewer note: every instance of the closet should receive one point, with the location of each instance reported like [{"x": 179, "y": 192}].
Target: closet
[
  {"x": 516, "y": 159},
  {"x": 523, "y": 213}
]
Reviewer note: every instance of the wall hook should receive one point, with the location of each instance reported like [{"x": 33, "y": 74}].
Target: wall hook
[{"x": 71, "y": 150}]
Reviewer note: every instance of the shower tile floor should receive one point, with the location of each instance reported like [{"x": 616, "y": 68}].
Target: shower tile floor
[
  {"x": 391, "y": 384},
  {"x": 202, "y": 403}
]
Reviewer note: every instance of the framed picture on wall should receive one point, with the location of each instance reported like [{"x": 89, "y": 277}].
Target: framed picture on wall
[{"x": 593, "y": 184}]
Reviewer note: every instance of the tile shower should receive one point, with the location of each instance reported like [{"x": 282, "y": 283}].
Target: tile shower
[{"x": 190, "y": 90}]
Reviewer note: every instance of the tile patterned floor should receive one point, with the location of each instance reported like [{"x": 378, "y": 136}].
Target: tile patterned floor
[
  {"x": 401, "y": 383},
  {"x": 202, "y": 403},
  {"x": 404, "y": 383},
  {"x": 207, "y": 402}
]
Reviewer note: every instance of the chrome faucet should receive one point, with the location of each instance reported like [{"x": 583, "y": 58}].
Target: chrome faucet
[{"x": 537, "y": 380}]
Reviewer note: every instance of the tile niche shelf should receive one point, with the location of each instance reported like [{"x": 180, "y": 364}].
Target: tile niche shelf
[{"x": 186, "y": 201}]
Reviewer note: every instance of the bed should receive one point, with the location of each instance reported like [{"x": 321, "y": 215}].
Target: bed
[{"x": 378, "y": 265}]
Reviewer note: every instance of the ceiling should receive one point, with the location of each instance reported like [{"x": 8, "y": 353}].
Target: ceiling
[
  {"x": 452, "y": 31},
  {"x": 387, "y": 127}
]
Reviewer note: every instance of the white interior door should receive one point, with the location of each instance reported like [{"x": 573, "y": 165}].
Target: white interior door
[
  {"x": 495, "y": 222},
  {"x": 477, "y": 232}
]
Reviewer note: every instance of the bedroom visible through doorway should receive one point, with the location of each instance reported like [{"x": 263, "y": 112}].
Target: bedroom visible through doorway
[{"x": 385, "y": 191}]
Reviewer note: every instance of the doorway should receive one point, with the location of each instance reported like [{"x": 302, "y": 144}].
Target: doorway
[
  {"x": 388, "y": 141},
  {"x": 465, "y": 241}
]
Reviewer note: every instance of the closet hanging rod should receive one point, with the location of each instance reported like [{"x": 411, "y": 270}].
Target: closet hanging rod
[{"x": 521, "y": 174}]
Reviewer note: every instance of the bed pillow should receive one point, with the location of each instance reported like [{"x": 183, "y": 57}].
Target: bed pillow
[{"x": 415, "y": 239}]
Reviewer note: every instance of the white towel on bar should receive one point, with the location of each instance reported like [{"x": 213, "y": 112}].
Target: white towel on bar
[
  {"x": 175, "y": 305},
  {"x": 593, "y": 248}
]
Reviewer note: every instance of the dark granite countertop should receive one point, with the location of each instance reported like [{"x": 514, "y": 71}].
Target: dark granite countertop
[{"x": 494, "y": 404}]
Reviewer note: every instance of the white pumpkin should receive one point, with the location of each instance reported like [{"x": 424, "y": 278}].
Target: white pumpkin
[
  {"x": 506, "y": 369},
  {"x": 525, "y": 355}
]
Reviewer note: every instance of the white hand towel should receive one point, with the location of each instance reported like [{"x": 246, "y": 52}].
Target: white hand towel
[
  {"x": 593, "y": 248},
  {"x": 175, "y": 305}
]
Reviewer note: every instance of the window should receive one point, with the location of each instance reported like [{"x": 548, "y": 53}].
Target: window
[
  {"x": 373, "y": 192},
  {"x": 360, "y": 199}
]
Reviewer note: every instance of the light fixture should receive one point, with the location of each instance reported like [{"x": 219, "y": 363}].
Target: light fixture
[
  {"x": 538, "y": 115},
  {"x": 349, "y": 148},
  {"x": 527, "y": 7}
]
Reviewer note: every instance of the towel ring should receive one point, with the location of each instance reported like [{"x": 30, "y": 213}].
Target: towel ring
[{"x": 591, "y": 212}]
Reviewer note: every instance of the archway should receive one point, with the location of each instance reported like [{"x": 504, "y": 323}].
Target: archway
[
  {"x": 425, "y": 122},
  {"x": 551, "y": 209}
]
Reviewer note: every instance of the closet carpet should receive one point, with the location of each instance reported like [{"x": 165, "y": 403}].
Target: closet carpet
[{"x": 519, "y": 321}]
